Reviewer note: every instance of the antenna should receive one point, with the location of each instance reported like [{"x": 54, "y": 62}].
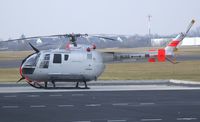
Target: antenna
[{"x": 149, "y": 28}]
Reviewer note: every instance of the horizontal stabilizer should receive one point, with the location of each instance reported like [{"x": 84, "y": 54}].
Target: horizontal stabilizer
[{"x": 171, "y": 60}]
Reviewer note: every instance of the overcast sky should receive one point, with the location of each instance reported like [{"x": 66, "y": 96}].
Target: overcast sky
[{"x": 128, "y": 17}]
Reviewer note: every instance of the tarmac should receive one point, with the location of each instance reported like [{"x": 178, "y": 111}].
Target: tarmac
[{"x": 105, "y": 101}]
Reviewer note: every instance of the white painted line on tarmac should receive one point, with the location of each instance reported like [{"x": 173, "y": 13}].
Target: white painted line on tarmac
[
  {"x": 37, "y": 106},
  {"x": 116, "y": 120},
  {"x": 10, "y": 107},
  {"x": 120, "y": 104},
  {"x": 77, "y": 94},
  {"x": 65, "y": 105},
  {"x": 147, "y": 103},
  {"x": 10, "y": 96},
  {"x": 55, "y": 95},
  {"x": 81, "y": 121},
  {"x": 148, "y": 120},
  {"x": 184, "y": 82},
  {"x": 33, "y": 96},
  {"x": 93, "y": 105},
  {"x": 186, "y": 119},
  {"x": 98, "y": 88}
]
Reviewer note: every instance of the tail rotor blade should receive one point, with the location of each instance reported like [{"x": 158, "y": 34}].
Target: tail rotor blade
[{"x": 189, "y": 26}]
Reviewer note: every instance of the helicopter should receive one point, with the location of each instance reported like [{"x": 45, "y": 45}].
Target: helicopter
[
  {"x": 81, "y": 63},
  {"x": 76, "y": 63}
]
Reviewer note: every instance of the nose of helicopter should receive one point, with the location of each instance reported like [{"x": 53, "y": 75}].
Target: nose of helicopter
[
  {"x": 27, "y": 66},
  {"x": 20, "y": 71},
  {"x": 25, "y": 72}
]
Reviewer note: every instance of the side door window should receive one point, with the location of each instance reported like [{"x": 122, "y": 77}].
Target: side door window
[
  {"x": 66, "y": 57},
  {"x": 57, "y": 58},
  {"x": 45, "y": 62}
]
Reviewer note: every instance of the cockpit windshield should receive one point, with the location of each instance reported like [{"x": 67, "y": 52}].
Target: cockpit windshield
[{"x": 32, "y": 60}]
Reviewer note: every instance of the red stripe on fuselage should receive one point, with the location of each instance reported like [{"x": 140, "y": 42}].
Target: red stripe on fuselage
[
  {"x": 174, "y": 43},
  {"x": 27, "y": 79},
  {"x": 68, "y": 46},
  {"x": 20, "y": 70}
]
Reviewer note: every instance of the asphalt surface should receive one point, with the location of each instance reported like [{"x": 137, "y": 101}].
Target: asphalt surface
[{"x": 106, "y": 103}]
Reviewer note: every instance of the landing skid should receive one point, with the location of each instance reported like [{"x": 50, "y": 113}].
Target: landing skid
[
  {"x": 85, "y": 83},
  {"x": 44, "y": 85}
]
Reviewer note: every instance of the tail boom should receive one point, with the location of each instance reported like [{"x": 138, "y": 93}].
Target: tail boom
[{"x": 168, "y": 51}]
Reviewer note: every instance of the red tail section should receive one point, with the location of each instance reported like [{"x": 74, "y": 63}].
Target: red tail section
[
  {"x": 152, "y": 60},
  {"x": 157, "y": 55},
  {"x": 174, "y": 43},
  {"x": 161, "y": 55}
]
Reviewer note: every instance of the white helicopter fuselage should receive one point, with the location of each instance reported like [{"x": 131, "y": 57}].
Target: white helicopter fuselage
[{"x": 63, "y": 65}]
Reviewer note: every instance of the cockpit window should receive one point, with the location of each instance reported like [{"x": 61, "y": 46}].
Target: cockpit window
[
  {"x": 32, "y": 60},
  {"x": 45, "y": 62},
  {"x": 47, "y": 57}
]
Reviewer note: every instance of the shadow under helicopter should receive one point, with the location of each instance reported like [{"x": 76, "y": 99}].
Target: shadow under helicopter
[{"x": 45, "y": 85}]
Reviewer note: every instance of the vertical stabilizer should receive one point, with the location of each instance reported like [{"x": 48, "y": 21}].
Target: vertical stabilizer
[{"x": 171, "y": 47}]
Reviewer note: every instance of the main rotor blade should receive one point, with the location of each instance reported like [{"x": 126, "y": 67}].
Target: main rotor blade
[
  {"x": 72, "y": 38},
  {"x": 36, "y": 37},
  {"x": 34, "y": 48},
  {"x": 102, "y": 37}
]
